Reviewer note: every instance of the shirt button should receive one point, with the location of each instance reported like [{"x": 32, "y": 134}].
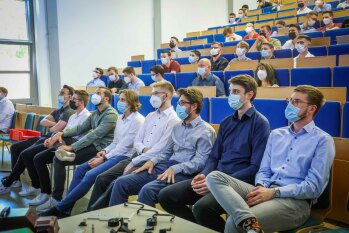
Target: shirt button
[
  {"x": 291, "y": 148},
  {"x": 288, "y": 160},
  {"x": 283, "y": 167},
  {"x": 279, "y": 178},
  {"x": 295, "y": 137}
]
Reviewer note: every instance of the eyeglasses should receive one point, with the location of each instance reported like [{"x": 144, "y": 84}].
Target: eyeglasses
[
  {"x": 181, "y": 102},
  {"x": 158, "y": 92},
  {"x": 296, "y": 101}
]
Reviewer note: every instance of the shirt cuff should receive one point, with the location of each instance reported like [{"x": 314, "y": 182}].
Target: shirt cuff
[
  {"x": 176, "y": 168},
  {"x": 154, "y": 161}
]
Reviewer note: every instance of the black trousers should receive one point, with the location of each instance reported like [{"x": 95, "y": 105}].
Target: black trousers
[
  {"x": 18, "y": 147},
  {"x": 206, "y": 210}
]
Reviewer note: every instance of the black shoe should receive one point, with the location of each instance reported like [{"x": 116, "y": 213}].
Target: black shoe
[{"x": 54, "y": 212}]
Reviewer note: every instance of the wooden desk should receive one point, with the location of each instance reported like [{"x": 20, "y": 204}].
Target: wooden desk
[
  {"x": 145, "y": 90},
  {"x": 243, "y": 65},
  {"x": 207, "y": 91},
  {"x": 280, "y": 62},
  {"x": 325, "y": 61},
  {"x": 138, "y": 222}
]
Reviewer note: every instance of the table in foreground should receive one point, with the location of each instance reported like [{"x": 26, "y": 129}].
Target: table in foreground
[{"x": 136, "y": 221}]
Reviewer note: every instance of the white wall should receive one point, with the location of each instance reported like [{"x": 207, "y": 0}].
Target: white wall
[{"x": 237, "y": 4}]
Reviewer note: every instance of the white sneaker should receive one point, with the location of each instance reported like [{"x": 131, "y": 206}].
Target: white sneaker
[
  {"x": 16, "y": 184},
  {"x": 63, "y": 155},
  {"x": 28, "y": 191},
  {"x": 4, "y": 190},
  {"x": 39, "y": 199},
  {"x": 47, "y": 205}
]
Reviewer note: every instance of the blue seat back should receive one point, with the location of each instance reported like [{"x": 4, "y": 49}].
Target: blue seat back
[
  {"x": 254, "y": 55},
  {"x": 219, "y": 109},
  {"x": 230, "y": 43},
  {"x": 229, "y": 56},
  {"x": 219, "y": 38},
  {"x": 195, "y": 47},
  {"x": 171, "y": 78},
  {"x": 190, "y": 38},
  {"x": 318, "y": 77},
  {"x": 39, "y": 127},
  {"x": 114, "y": 102},
  {"x": 232, "y": 73},
  {"x": 29, "y": 120},
  {"x": 134, "y": 63},
  {"x": 329, "y": 118},
  {"x": 90, "y": 106},
  {"x": 184, "y": 80},
  {"x": 345, "y": 133},
  {"x": 341, "y": 78},
  {"x": 314, "y": 34},
  {"x": 283, "y": 53},
  {"x": 146, "y": 107},
  {"x": 146, "y": 78},
  {"x": 105, "y": 79},
  {"x": 182, "y": 60},
  {"x": 334, "y": 33},
  {"x": 283, "y": 77},
  {"x": 282, "y": 39},
  {"x": 219, "y": 74},
  {"x": 273, "y": 110},
  {"x": 146, "y": 65},
  {"x": 208, "y": 37}
]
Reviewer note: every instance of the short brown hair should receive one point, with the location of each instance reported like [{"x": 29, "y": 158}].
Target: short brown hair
[
  {"x": 217, "y": 43},
  {"x": 194, "y": 96},
  {"x": 113, "y": 68},
  {"x": 100, "y": 70},
  {"x": 304, "y": 37},
  {"x": 281, "y": 22},
  {"x": 83, "y": 95},
  {"x": 175, "y": 38},
  {"x": 158, "y": 70},
  {"x": 314, "y": 96},
  {"x": 271, "y": 46},
  {"x": 4, "y": 90},
  {"x": 107, "y": 92},
  {"x": 267, "y": 27},
  {"x": 244, "y": 44},
  {"x": 227, "y": 31},
  {"x": 129, "y": 70},
  {"x": 167, "y": 52},
  {"x": 196, "y": 52},
  {"x": 295, "y": 26},
  {"x": 312, "y": 13},
  {"x": 166, "y": 85},
  {"x": 247, "y": 82},
  {"x": 328, "y": 12},
  {"x": 131, "y": 99},
  {"x": 70, "y": 89}
]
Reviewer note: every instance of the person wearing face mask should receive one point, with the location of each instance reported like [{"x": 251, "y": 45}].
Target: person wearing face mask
[
  {"x": 157, "y": 74},
  {"x": 194, "y": 56},
  {"x": 327, "y": 19},
  {"x": 241, "y": 49},
  {"x": 265, "y": 37},
  {"x": 302, "y": 46},
  {"x": 293, "y": 32},
  {"x": 169, "y": 65},
  {"x": 263, "y": 3},
  {"x": 311, "y": 22},
  {"x": 251, "y": 33},
  {"x": 132, "y": 81},
  {"x": 276, "y": 5},
  {"x": 302, "y": 7},
  {"x": 321, "y": 6},
  {"x": 230, "y": 35},
  {"x": 121, "y": 148},
  {"x": 279, "y": 25},
  {"x": 55, "y": 121},
  {"x": 7, "y": 111},
  {"x": 218, "y": 62},
  {"x": 343, "y": 4},
  {"x": 265, "y": 75},
  {"x": 294, "y": 172},
  {"x": 237, "y": 152},
  {"x": 242, "y": 14},
  {"x": 174, "y": 44},
  {"x": 149, "y": 142},
  {"x": 206, "y": 78},
  {"x": 233, "y": 19},
  {"x": 116, "y": 83},
  {"x": 96, "y": 81},
  {"x": 184, "y": 156},
  {"x": 267, "y": 51}
]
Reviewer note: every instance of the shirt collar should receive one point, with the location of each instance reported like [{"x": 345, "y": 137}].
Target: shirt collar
[
  {"x": 193, "y": 123},
  {"x": 248, "y": 113},
  {"x": 100, "y": 112},
  {"x": 130, "y": 117},
  {"x": 208, "y": 77},
  {"x": 307, "y": 128},
  {"x": 167, "y": 112},
  {"x": 82, "y": 112}
]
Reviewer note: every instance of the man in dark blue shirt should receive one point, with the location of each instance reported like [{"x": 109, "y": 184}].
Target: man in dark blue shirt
[{"x": 238, "y": 152}]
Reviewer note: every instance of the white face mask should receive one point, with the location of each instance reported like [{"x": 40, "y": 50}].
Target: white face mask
[
  {"x": 154, "y": 78},
  {"x": 240, "y": 51},
  {"x": 262, "y": 74},
  {"x": 327, "y": 21},
  {"x": 127, "y": 79},
  {"x": 214, "y": 51},
  {"x": 94, "y": 75},
  {"x": 248, "y": 30},
  {"x": 112, "y": 77},
  {"x": 311, "y": 22},
  {"x": 96, "y": 99},
  {"x": 155, "y": 101}
]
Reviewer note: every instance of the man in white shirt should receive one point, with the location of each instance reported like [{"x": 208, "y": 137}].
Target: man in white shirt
[
  {"x": 303, "y": 8},
  {"x": 150, "y": 141},
  {"x": 7, "y": 111},
  {"x": 302, "y": 46},
  {"x": 293, "y": 32},
  {"x": 230, "y": 35}
]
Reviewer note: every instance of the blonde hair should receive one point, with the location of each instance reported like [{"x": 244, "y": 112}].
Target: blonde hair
[
  {"x": 166, "y": 85},
  {"x": 131, "y": 99}
]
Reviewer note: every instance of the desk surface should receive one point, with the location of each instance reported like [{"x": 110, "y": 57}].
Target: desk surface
[{"x": 137, "y": 221}]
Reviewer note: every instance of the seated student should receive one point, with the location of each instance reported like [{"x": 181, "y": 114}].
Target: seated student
[
  {"x": 126, "y": 129},
  {"x": 184, "y": 156},
  {"x": 206, "y": 78},
  {"x": 263, "y": 3},
  {"x": 132, "y": 81},
  {"x": 241, "y": 49},
  {"x": 233, "y": 19},
  {"x": 157, "y": 74},
  {"x": 242, "y": 14},
  {"x": 265, "y": 37},
  {"x": 245, "y": 7},
  {"x": 293, "y": 32},
  {"x": 295, "y": 170},
  {"x": 311, "y": 22},
  {"x": 238, "y": 151},
  {"x": 36, "y": 162},
  {"x": 7, "y": 111},
  {"x": 265, "y": 75},
  {"x": 149, "y": 142},
  {"x": 116, "y": 83},
  {"x": 321, "y": 6},
  {"x": 303, "y": 7},
  {"x": 169, "y": 65},
  {"x": 343, "y": 4},
  {"x": 194, "y": 56},
  {"x": 218, "y": 62},
  {"x": 55, "y": 121},
  {"x": 276, "y": 5},
  {"x": 267, "y": 51},
  {"x": 230, "y": 35},
  {"x": 96, "y": 81},
  {"x": 327, "y": 19},
  {"x": 251, "y": 33},
  {"x": 302, "y": 46},
  {"x": 174, "y": 44},
  {"x": 279, "y": 24}
]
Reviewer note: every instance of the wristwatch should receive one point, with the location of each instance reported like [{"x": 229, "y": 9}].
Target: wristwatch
[{"x": 277, "y": 192}]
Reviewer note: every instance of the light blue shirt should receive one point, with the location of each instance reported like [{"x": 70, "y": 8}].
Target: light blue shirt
[
  {"x": 299, "y": 163},
  {"x": 325, "y": 7},
  {"x": 6, "y": 112},
  {"x": 136, "y": 85},
  {"x": 96, "y": 83},
  {"x": 189, "y": 145}
]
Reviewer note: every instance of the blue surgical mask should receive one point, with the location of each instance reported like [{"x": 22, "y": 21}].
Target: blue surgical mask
[
  {"x": 181, "y": 112},
  {"x": 300, "y": 48},
  {"x": 234, "y": 102},
  {"x": 292, "y": 113},
  {"x": 191, "y": 59},
  {"x": 61, "y": 99},
  {"x": 201, "y": 71},
  {"x": 164, "y": 60},
  {"x": 265, "y": 53},
  {"x": 121, "y": 106}
]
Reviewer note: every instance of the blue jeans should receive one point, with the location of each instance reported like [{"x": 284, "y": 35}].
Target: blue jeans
[
  {"x": 83, "y": 179},
  {"x": 144, "y": 184}
]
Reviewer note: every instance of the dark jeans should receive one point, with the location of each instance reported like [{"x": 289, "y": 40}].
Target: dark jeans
[
  {"x": 17, "y": 148},
  {"x": 206, "y": 210}
]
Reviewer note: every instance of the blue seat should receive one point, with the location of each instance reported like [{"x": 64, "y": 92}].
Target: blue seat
[
  {"x": 250, "y": 42},
  {"x": 207, "y": 46},
  {"x": 183, "y": 48},
  {"x": 316, "y": 51},
  {"x": 219, "y": 74},
  {"x": 105, "y": 79},
  {"x": 146, "y": 65},
  {"x": 212, "y": 28},
  {"x": 134, "y": 63},
  {"x": 204, "y": 111},
  {"x": 267, "y": 9},
  {"x": 230, "y": 43},
  {"x": 40, "y": 128},
  {"x": 229, "y": 56},
  {"x": 333, "y": 4},
  {"x": 273, "y": 110},
  {"x": 219, "y": 37},
  {"x": 283, "y": 77},
  {"x": 241, "y": 33},
  {"x": 254, "y": 55},
  {"x": 329, "y": 118},
  {"x": 283, "y": 53},
  {"x": 338, "y": 49},
  {"x": 282, "y": 39},
  {"x": 219, "y": 109},
  {"x": 318, "y": 77},
  {"x": 195, "y": 47},
  {"x": 171, "y": 78},
  {"x": 90, "y": 106},
  {"x": 339, "y": 19},
  {"x": 146, "y": 107},
  {"x": 341, "y": 78},
  {"x": 334, "y": 33},
  {"x": 208, "y": 37},
  {"x": 314, "y": 34},
  {"x": 184, "y": 79},
  {"x": 146, "y": 78},
  {"x": 114, "y": 101},
  {"x": 345, "y": 133},
  {"x": 190, "y": 38},
  {"x": 182, "y": 60},
  {"x": 29, "y": 120},
  {"x": 232, "y": 73}
]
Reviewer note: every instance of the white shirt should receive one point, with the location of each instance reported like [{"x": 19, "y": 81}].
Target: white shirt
[
  {"x": 295, "y": 59},
  {"x": 95, "y": 83},
  {"x": 288, "y": 45},
  {"x": 237, "y": 38},
  {"x": 154, "y": 134},
  {"x": 6, "y": 112},
  {"x": 304, "y": 11},
  {"x": 77, "y": 119},
  {"x": 125, "y": 132}
]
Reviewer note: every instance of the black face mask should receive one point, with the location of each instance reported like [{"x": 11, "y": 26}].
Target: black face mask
[
  {"x": 300, "y": 5},
  {"x": 292, "y": 35},
  {"x": 263, "y": 34},
  {"x": 172, "y": 45},
  {"x": 72, "y": 105}
]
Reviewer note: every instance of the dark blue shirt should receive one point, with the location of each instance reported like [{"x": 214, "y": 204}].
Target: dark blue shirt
[
  {"x": 210, "y": 80},
  {"x": 240, "y": 145}
]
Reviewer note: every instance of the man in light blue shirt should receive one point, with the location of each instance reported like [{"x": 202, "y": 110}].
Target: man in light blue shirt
[
  {"x": 294, "y": 172},
  {"x": 132, "y": 81},
  {"x": 96, "y": 81},
  {"x": 321, "y": 6},
  {"x": 184, "y": 156},
  {"x": 7, "y": 111}
]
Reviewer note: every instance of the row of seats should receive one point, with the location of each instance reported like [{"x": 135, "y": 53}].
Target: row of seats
[{"x": 334, "y": 4}]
